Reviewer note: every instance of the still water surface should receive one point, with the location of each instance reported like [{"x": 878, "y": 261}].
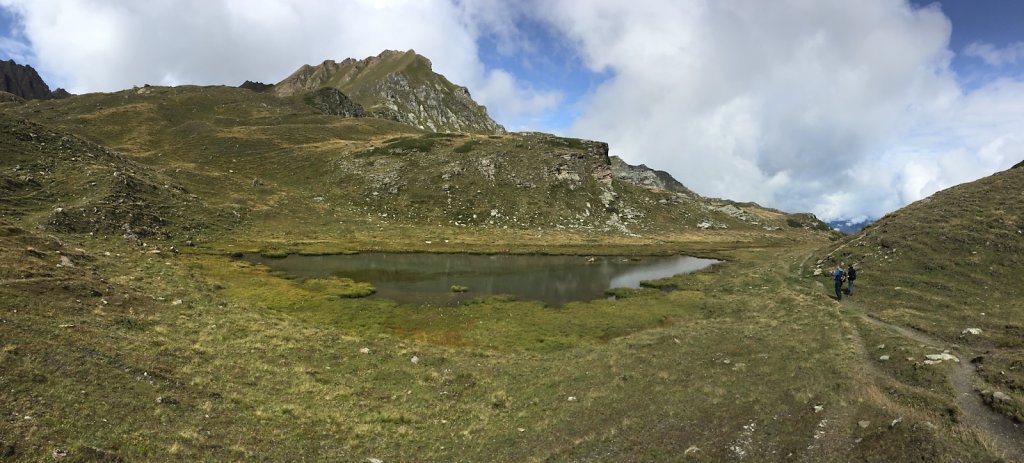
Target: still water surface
[{"x": 424, "y": 278}]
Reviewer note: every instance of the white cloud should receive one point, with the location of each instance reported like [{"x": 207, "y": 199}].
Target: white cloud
[
  {"x": 1010, "y": 54},
  {"x": 841, "y": 108}
]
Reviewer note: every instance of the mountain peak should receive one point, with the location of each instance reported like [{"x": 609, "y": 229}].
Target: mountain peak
[
  {"x": 24, "y": 81},
  {"x": 396, "y": 85}
]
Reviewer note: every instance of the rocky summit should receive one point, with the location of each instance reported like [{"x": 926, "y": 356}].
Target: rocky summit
[
  {"x": 23, "y": 81},
  {"x": 399, "y": 86}
]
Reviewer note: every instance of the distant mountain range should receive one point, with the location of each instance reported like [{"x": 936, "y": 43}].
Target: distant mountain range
[{"x": 848, "y": 227}]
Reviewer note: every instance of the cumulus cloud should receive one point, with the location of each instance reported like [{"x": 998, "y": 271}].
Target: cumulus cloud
[
  {"x": 993, "y": 56},
  {"x": 88, "y": 46},
  {"x": 845, "y": 109}
]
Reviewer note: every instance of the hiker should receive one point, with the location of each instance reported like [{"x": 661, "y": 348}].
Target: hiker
[
  {"x": 851, "y": 274},
  {"x": 839, "y": 276}
]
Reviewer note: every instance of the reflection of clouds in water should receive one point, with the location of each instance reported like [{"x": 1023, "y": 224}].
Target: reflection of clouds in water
[
  {"x": 631, "y": 277},
  {"x": 428, "y": 278}
]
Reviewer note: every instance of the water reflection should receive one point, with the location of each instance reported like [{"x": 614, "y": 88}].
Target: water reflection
[{"x": 428, "y": 278}]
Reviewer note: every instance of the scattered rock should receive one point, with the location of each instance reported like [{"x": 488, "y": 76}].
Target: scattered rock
[
  {"x": 166, "y": 400},
  {"x": 572, "y": 398},
  {"x": 177, "y": 302},
  {"x": 883, "y": 358},
  {"x": 691, "y": 450},
  {"x": 817, "y": 272},
  {"x": 364, "y": 350},
  {"x": 415, "y": 359},
  {"x": 374, "y": 460},
  {"x": 59, "y": 453},
  {"x": 864, "y": 424},
  {"x": 66, "y": 262},
  {"x": 937, "y": 358},
  {"x": 974, "y": 331},
  {"x": 1001, "y": 397},
  {"x": 459, "y": 288},
  {"x": 818, "y": 408},
  {"x": 895, "y": 422}
]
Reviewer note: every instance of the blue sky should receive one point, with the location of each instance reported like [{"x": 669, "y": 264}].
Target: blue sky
[{"x": 845, "y": 109}]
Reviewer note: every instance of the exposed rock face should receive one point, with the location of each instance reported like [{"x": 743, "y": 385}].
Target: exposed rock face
[
  {"x": 23, "y": 81},
  {"x": 331, "y": 101},
  {"x": 258, "y": 87},
  {"x": 645, "y": 176},
  {"x": 399, "y": 86}
]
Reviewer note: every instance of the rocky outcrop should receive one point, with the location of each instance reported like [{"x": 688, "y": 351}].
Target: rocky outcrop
[
  {"x": 258, "y": 87},
  {"x": 400, "y": 86},
  {"x": 646, "y": 177},
  {"x": 331, "y": 101},
  {"x": 24, "y": 82}
]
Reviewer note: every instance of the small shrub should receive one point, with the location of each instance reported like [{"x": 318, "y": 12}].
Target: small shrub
[{"x": 467, "y": 146}]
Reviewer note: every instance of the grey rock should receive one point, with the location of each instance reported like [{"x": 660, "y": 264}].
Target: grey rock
[
  {"x": 331, "y": 101},
  {"x": 645, "y": 176}
]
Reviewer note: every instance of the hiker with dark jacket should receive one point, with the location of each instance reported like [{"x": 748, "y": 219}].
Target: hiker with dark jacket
[
  {"x": 851, "y": 274},
  {"x": 839, "y": 276}
]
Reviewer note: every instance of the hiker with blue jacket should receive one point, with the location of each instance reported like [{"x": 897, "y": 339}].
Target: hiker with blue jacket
[{"x": 839, "y": 276}]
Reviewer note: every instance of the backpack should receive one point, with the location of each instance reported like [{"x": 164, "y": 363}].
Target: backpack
[{"x": 852, "y": 274}]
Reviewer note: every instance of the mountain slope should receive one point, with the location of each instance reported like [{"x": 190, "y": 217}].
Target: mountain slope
[
  {"x": 399, "y": 86},
  {"x": 278, "y": 162},
  {"x": 947, "y": 265}
]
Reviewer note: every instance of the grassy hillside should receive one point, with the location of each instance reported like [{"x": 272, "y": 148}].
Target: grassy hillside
[
  {"x": 116, "y": 347},
  {"x": 950, "y": 263},
  {"x": 300, "y": 181}
]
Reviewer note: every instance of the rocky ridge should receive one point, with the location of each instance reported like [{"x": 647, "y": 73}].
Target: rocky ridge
[
  {"x": 257, "y": 87},
  {"x": 23, "y": 81},
  {"x": 645, "y": 176},
  {"x": 399, "y": 86}
]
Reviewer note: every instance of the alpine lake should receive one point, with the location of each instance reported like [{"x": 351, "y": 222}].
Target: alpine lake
[{"x": 451, "y": 279}]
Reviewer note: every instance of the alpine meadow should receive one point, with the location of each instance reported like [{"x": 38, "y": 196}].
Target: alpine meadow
[{"x": 136, "y": 324}]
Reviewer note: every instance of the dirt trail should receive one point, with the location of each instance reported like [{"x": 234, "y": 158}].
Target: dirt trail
[{"x": 1007, "y": 435}]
